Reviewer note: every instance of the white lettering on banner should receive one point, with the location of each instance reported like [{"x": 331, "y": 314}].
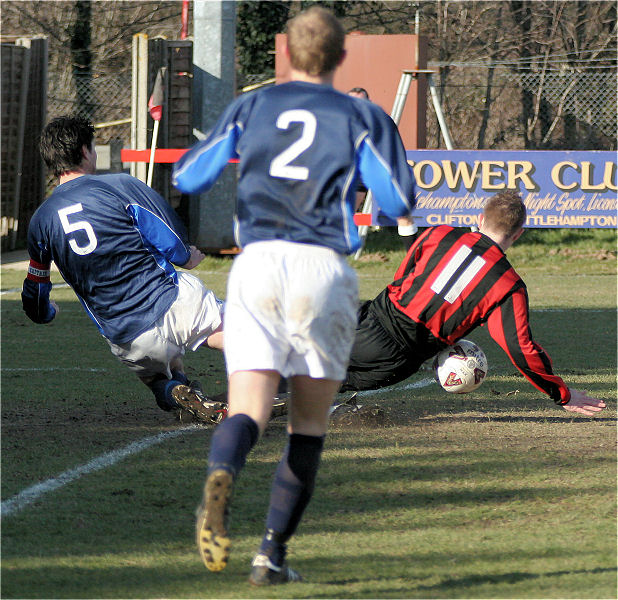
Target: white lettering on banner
[
  {"x": 571, "y": 221},
  {"x": 596, "y": 203},
  {"x": 559, "y": 188},
  {"x": 534, "y": 202},
  {"x": 453, "y": 220},
  {"x": 468, "y": 220},
  {"x": 453, "y": 203}
]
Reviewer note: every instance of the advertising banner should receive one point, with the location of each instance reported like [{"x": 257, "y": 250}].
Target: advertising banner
[{"x": 559, "y": 188}]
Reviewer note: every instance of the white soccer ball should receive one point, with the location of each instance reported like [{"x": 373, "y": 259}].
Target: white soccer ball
[{"x": 461, "y": 368}]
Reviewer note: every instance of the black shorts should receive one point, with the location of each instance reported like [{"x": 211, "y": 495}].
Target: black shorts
[{"x": 377, "y": 360}]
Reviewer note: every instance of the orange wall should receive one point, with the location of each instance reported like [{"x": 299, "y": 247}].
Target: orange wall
[{"x": 375, "y": 62}]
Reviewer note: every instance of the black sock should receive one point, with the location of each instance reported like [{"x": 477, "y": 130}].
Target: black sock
[
  {"x": 408, "y": 240},
  {"x": 291, "y": 491},
  {"x": 231, "y": 442}
]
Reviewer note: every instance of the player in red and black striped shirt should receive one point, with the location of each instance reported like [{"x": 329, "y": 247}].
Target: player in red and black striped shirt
[{"x": 451, "y": 281}]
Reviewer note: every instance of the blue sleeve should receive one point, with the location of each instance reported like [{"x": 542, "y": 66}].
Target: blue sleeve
[
  {"x": 158, "y": 235},
  {"x": 383, "y": 164},
  {"x": 37, "y": 285},
  {"x": 35, "y": 301},
  {"x": 199, "y": 168},
  {"x": 159, "y": 225}
]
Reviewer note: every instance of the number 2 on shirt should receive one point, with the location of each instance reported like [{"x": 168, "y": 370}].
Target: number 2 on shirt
[{"x": 280, "y": 165}]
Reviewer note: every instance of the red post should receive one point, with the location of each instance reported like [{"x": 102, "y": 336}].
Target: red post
[{"x": 185, "y": 19}]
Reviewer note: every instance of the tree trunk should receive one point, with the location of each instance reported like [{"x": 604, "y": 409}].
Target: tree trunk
[
  {"x": 570, "y": 121},
  {"x": 82, "y": 58},
  {"x": 522, "y": 14},
  {"x": 489, "y": 83}
]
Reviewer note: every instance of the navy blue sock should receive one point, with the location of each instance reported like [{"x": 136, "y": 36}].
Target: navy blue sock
[
  {"x": 180, "y": 376},
  {"x": 231, "y": 442},
  {"x": 162, "y": 390},
  {"x": 291, "y": 491}
]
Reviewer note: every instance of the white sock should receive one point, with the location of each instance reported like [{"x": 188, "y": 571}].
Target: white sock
[{"x": 406, "y": 230}]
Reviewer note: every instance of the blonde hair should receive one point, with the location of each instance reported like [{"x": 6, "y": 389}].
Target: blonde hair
[
  {"x": 315, "y": 41},
  {"x": 505, "y": 212}
]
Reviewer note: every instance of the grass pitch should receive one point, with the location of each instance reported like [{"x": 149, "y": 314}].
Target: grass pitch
[{"x": 494, "y": 494}]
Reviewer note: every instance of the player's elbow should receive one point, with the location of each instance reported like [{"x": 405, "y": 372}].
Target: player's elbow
[{"x": 184, "y": 185}]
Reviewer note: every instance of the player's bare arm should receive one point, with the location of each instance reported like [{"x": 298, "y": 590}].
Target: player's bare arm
[
  {"x": 197, "y": 256},
  {"x": 583, "y": 404}
]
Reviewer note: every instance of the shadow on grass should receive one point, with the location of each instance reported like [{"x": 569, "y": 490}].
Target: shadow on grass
[
  {"x": 505, "y": 578},
  {"x": 330, "y": 576},
  {"x": 514, "y": 419}
]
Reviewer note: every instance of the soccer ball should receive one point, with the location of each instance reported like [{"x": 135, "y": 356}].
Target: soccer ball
[{"x": 460, "y": 368}]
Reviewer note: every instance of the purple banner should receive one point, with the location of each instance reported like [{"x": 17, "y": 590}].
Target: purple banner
[{"x": 560, "y": 189}]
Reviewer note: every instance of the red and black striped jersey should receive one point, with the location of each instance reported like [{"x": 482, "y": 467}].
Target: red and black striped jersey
[{"x": 453, "y": 280}]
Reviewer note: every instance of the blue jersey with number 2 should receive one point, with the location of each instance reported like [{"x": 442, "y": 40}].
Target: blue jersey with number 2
[{"x": 302, "y": 149}]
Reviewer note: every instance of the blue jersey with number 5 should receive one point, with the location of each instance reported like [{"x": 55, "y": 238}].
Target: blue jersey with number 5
[
  {"x": 302, "y": 149},
  {"x": 114, "y": 241}
]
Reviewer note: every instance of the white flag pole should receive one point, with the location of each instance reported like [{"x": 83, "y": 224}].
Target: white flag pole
[{"x": 155, "y": 134}]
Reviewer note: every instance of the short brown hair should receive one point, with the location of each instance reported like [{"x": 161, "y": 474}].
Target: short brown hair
[
  {"x": 505, "y": 212},
  {"x": 62, "y": 141},
  {"x": 315, "y": 41}
]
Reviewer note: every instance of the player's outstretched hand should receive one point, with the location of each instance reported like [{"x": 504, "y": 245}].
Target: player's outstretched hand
[
  {"x": 196, "y": 258},
  {"x": 583, "y": 404}
]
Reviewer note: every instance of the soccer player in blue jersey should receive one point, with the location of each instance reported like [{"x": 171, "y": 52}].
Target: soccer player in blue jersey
[
  {"x": 115, "y": 241},
  {"x": 292, "y": 297}
]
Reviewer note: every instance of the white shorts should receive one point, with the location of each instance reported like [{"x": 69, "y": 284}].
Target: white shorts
[
  {"x": 290, "y": 308},
  {"x": 190, "y": 320}
]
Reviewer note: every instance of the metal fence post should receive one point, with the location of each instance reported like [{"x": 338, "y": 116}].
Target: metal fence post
[{"x": 139, "y": 101}]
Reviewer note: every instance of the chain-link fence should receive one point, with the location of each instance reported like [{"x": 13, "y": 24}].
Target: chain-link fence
[
  {"x": 498, "y": 108},
  {"x": 490, "y": 108},
  {"x": 102, "y": 99},
  {"x": 588, "y": 97}
]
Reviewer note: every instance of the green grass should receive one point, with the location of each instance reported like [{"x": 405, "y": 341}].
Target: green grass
[{"x": 495, "y": 494}]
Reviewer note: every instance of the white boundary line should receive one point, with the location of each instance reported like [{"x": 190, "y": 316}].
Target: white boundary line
[
  {"x": 19, "y": 369},
  {"x": 34, "y": 492},
  {"x": 411, "y": 386}
]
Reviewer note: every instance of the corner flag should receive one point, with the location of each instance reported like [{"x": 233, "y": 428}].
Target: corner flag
[
  {"x": 155, "y": 108},
  {"x": 155, "y": 102}
]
